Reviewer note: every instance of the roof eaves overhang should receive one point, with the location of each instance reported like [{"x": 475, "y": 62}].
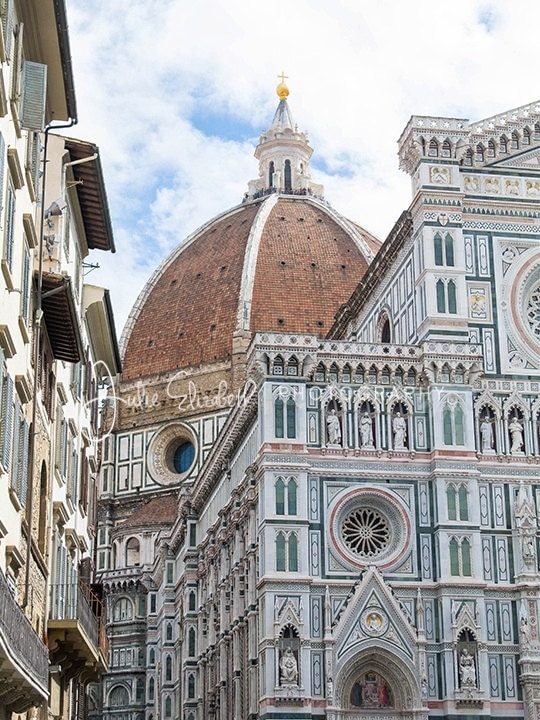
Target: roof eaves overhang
[
  {"x": 61, "y": 317},
  {"x": 101, "y": 329},
  {"x": 46, "y": 41},
  {"x": 91, "y": 194}
]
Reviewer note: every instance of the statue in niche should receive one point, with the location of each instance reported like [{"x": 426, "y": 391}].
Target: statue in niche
[
  {"x": 366, "y": 431},
  {"x": 516, "y": 436},
  {"x": 486, "y": 434},
  {"x": 467, "y": 669},
  {"x": 528, "y": 547},
  {"x": 525, "y": 633},
  {"x": 399, "y": 426},
  {"x": 288, "y": 668},
  {"x": 333, "y": 427}
]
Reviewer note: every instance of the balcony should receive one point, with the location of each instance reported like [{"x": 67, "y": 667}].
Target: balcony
[
  {"x": 24, "y": 660},
  {"x": 77, "y": 638}
]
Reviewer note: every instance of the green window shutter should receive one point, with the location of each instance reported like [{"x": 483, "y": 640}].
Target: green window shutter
[{"x": 33, "y": 97}]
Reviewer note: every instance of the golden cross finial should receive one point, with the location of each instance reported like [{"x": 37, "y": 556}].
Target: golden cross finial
[{"x": 282, "y": 90}]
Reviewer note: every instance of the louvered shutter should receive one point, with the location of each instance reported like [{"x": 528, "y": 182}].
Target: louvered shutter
[
  {"x": 7, "y": 422},
  {"x": 25, "y": 294},
  {"x": 16, "y": 449},
  {"x": 2, "y": 171},
  {"x": 8, "y": 26},
  {"x": 33, "y": 95}
]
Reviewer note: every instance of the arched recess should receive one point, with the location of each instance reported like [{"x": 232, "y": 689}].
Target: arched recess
[
  {"x": 384, "y": 327},
  {"x": 402, "y": 686}
]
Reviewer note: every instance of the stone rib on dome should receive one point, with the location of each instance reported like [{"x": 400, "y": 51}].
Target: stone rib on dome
[{"x": 307, "y": 262}]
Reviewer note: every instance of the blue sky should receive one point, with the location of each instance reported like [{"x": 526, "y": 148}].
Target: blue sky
[{"x": 176, "y": 94}]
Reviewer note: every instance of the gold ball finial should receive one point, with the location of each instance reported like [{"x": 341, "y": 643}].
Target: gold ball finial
[{"x": 282, "y": 90}]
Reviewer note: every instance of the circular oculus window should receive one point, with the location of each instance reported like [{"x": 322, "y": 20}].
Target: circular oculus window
[
  {"x": 171, "y": 454},
  {"x": 525, "y": 301},
  {"x": 370, "y": 525}
]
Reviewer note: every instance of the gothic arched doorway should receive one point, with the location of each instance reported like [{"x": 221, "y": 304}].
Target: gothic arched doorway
[{"x": 378, "y": 682}]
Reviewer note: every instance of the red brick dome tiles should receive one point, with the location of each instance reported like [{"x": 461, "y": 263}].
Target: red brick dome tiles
[{"x": 281, "y": 263}]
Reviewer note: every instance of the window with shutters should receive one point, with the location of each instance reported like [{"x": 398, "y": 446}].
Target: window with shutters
[
  {"x": 19, "y": 465},
  {"x": 17, "y": 64},
  {"x": 6, "y": 421},
  {"x": 8, "y": 18},
  {"x": 25, "y": 287},
  {"x": 9, "y": 235},
  {"x": 32, "y": 164}
]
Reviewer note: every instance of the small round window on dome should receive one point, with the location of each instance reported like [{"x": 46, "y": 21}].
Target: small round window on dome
[
  {"x": 172, "y": 454},
  {"x": 183, "y": 457}
]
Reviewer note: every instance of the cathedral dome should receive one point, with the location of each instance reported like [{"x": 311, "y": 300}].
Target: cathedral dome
[{"x": 281, "y": 261}]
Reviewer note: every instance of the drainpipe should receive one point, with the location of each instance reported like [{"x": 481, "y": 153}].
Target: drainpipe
[{"x": 38, "y": 316}]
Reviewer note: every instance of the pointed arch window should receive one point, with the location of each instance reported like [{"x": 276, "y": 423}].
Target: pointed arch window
[
  {"x": 168, "y": 669},
  {"x": 168, "y": 707},
  {"x": 503, "y": 144},
  {"x": 480, "y": 153},
  {"x": 446, "y": 150},
  {"x": 288, "y": 177},
  {"x": 433, "y": 150},
  {"x": 191, "y": 642},
  {"x": 286, "y": 552},
  {"x": 285, "y": 417},
  {"x": 286, "y": 496},
  {"x": 515, "y": 140},
  {"x": 492, "y": 149},
  {"x": 278, "y": 417},
  {"x": 526, "y": 136},
  {"x": 446, "y": 296},
  {"x": 191, "y": 686},
  {"x": 441, "y": 297},
  {"x": 151, "y": 688},
  {"x": 291, "y": 418},
  {"x": 453, "y": 429},
  {"x": 280, "y": 496},
  {"x": 443, "y": 249},
  {"x": 468, "y": 158},
  {"x": 457, "y": 502},
  {"x": 460, "y": 557},
  {"x": 452, "y": 303}
]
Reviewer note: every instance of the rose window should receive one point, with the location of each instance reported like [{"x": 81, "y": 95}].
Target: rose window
[
  {"x": 366, "y": 532},
  {"x": 533, "y": 311},
  {"x": 369, "y": 525}
]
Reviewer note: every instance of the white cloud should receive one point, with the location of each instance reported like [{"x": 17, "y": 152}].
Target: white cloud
[{"x": 145, "y": 71}]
